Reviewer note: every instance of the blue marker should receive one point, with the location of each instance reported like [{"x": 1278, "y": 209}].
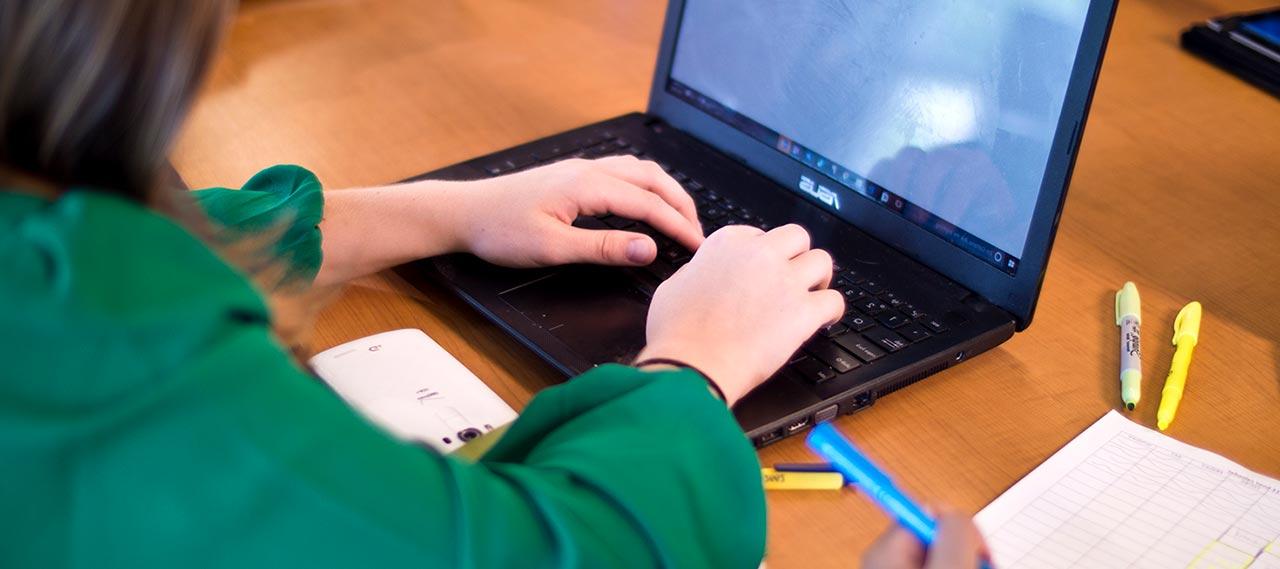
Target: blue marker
[{"x": 858, "y": 469}]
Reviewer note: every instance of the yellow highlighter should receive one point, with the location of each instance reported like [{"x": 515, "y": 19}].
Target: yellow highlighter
[
  {"x": 778, "y": 480},
  {"x": 1186, "y": 333},
  {"x": 1129, "y": 319}
]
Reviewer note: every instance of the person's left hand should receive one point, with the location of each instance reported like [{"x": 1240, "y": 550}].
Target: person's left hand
[{"x": 525, "y": 219}]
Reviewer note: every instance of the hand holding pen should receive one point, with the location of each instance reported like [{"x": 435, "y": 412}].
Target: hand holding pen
[
  {"x": 958, "y": 544},
  {"x": 931, "y": 550}
]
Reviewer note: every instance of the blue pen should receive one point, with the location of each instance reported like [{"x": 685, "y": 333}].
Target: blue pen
[{"x": 856, "y": 467}]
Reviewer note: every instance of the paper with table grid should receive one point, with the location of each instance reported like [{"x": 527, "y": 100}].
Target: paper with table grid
[{"x": 1123, "y": 495}]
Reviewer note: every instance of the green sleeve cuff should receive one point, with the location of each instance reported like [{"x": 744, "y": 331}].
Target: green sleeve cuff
[
  {"x": 284, "y": 199},
  {"x": 659, "y": 449}
]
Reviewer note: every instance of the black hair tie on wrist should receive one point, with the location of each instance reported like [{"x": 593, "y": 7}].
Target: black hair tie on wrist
[{"x": 715, "y": 388}]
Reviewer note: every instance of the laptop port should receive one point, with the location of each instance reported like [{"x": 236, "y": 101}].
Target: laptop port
[
  {"x": 768, "y": 437},
  {"x": 797, "y": 426},
  {"x": 826, "y": 414},
  {"x": 861, "y": 401}
]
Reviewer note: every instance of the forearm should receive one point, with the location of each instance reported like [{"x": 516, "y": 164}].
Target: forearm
[{"x": 367, "y": 230}]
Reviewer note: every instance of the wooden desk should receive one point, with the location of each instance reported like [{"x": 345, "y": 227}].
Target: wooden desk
[{"x": 1177, "y": 188}]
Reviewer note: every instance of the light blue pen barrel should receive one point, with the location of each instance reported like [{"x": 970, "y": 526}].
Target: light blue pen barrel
[{"x": 855, "y": 466}]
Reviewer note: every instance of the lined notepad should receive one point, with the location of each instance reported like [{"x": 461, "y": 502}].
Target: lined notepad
[{"x": 1123, "y": 495}]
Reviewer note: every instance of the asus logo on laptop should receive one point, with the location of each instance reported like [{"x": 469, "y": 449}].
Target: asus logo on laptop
[{"x": 824, "y": 194}]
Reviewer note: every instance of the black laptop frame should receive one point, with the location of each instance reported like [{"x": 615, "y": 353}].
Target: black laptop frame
[{"x": 1016, "y": 294}]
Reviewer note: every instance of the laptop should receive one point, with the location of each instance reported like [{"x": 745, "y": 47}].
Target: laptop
[{"x": 927, "y": 145}]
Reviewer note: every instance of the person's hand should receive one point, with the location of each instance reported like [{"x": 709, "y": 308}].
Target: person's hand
[
  {"x": 957, "y": 545},
  {"x": 525, "y": 219},
  {"x": 743, "y": 305}
]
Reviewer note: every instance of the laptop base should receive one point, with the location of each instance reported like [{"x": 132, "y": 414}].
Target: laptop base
[{"x": 906, "y": 322}]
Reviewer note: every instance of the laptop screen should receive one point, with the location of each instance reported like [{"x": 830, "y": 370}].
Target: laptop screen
[{"x": 942, "y": 112}]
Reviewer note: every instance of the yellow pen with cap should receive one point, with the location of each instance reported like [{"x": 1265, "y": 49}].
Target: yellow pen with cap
[{"x": 1186, "y": 334}]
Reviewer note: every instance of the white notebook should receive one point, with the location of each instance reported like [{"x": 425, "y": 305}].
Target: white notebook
[{"x": 1123, "y": 495}]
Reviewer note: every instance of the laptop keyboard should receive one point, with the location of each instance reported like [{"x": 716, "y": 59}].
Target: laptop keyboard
[{"x": 878, "y": 320}]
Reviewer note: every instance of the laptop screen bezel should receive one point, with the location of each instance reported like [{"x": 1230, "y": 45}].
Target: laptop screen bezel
[{"x": 1017, "y": 293}]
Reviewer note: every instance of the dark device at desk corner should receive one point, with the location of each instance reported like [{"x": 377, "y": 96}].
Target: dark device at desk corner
[
  {"x": 1247, "y": 45},
  {"x": 935, "y": 175}
]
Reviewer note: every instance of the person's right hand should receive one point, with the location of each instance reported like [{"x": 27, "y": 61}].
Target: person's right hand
[
  {"x": 957, "y": 545},
  {"x": 743, "y": 305}
]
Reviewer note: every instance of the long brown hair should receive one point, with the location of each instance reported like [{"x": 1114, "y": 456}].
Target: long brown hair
[{"x": 92, "y": 94}]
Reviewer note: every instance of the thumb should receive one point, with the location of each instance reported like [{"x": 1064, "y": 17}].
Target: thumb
[
  {"x": 958, "y": 543},
  {"x": 608, "y": 247}
]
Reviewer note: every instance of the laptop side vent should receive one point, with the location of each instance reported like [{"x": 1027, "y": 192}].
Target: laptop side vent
[{"x": 912, "y": 379}]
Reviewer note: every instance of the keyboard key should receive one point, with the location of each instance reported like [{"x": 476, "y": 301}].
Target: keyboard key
[
  {"x": 694, "y": 187},
  {"x": 853, "y": 277},
  {"x": 813, "y": 370},
  {"x": 833, "y": 330},
  {"x": 659, "y": 238},
  {"x": 660, "y": 270},
  {"x": 916, "y": 313},
  {"x": 957, "y": 292},
  {"x": 586, "y": 222},
  {"x": 935, "y": 325},
  {"x": 679, "y": 176},
  {"x": 913, "y": 332},
  {"x": 873, "y": 287},
  {"x": 871, "y": 306},
  {"x": 858, "y": 322},
  {"x": 892, "y": 319},
  {"x": 674, "y": 255},
  {"x": 600, "y": 150},
  {"x": 853, "y": 296},
  {"x": 887, "y": 339},
  {"x": 831, "y": 354},
  {"x": 860, "y": 347},
  {"x": 713, "y": 213},
  {"x": 712, "y": 197}
]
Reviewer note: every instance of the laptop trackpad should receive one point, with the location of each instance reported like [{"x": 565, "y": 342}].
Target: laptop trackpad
[{"x": 597, "y": 312}]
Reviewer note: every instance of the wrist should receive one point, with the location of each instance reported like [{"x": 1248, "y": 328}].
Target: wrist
[
  {"x": 442, "y": 212},
  {"x": 724, "y": 378},
  {"x": 669, "y": 364}
]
